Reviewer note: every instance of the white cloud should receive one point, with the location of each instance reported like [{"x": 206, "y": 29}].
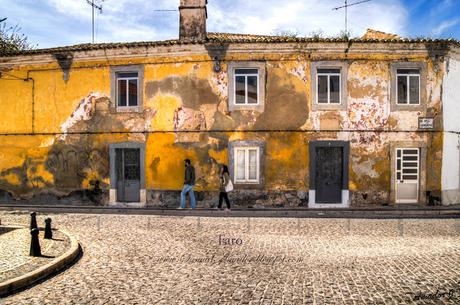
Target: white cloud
[
  {"x": 121, "y": 20},
  {"x": 64, "y": 22},
  {"x": 265, "y": 16},
  {"x": 443, "y": 26}
]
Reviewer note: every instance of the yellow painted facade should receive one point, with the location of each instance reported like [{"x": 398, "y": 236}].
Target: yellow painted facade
[{"x": 55, "y": 134}]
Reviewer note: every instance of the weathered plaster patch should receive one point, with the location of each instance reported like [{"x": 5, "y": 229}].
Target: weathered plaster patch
[
  {"x": 149, "y": 114},
  {"x": 366, "y": 114},
  {"x": 286, "y": 107},
  {"x": 12, "y": 178},
  {"x": 84, "y": 112},
  {"x": 364, "y": 168},
  {"x": 208, "y": 111},
  {"x": 219, "y": 83},
  {"x": 47, "y": 142},
  {"x": 300, "y": 71},
  {"x": 189, "y": 119},
  {"x": 193, "y": 92},
  {"x": 405, "y": 120}
]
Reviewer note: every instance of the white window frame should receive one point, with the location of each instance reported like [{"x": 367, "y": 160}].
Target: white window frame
[
  {"x": 246, "y": 165},
  {"x": 408, "y": 87},
  {"x": 318, "y": 74},
  {"x": 246, "y": 85},
  {"x": 127, "y": 79}
]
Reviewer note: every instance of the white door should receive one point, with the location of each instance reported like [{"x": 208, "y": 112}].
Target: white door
[{"x": 407, "y": 175}]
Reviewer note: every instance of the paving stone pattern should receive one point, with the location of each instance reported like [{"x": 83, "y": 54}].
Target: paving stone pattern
[
  {"x": 178, "y": 260},
  {"x": 14, "y": 252}
]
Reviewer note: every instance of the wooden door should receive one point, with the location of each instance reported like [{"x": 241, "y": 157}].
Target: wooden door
[{"x": 329, "y": 174}]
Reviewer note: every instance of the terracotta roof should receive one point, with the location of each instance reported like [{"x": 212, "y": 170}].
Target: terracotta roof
[{"x": 224, "y": 38}]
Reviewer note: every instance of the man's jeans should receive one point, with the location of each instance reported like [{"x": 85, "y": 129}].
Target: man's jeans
[{"x": 187, "y": 189}]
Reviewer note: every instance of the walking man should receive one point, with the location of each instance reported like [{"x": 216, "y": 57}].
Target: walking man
[{"x": 189, "y": 182}]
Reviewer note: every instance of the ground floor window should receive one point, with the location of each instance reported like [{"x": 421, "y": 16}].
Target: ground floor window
[{"x": 247, "y": 165}]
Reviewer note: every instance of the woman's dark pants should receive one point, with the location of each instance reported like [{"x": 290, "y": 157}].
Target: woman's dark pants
[{"x": 222, "y": 196}]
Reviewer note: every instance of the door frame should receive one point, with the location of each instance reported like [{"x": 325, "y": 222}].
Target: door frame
[
  {"x": 113, "y": 173},
  {"x": 422, "y": 170},
  {"x": 345, "y": 202}
]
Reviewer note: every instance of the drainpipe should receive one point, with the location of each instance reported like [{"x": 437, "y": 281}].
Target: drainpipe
[{"x": 33, "y": 100}]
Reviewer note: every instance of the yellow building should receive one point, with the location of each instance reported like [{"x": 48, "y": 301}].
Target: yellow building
[{"x": 299, "y": 121}]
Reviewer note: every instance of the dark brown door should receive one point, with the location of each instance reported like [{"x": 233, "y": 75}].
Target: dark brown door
[{"x": 329, "y": 174}]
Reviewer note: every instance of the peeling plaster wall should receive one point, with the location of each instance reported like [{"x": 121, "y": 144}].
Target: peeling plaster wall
[
  {"x": 184, "y": 94},
  {"x": 451, "y": 150}
]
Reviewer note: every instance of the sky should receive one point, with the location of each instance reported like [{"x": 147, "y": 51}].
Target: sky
[{"x": 49, "y": 23}]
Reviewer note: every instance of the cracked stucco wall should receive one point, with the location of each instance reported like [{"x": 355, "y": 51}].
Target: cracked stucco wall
[{"x": 184, "y": 94}]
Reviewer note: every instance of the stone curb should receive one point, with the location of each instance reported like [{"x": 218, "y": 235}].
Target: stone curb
[
  {"x": 10, "y": 286},
  {"x": 358, "y": 213}
]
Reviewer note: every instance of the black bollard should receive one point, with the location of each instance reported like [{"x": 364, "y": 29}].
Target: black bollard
[
  {"x": 48, "y": 232},
  {"x": 33, "y": 220},
  {"x": 35, "y": 243}
]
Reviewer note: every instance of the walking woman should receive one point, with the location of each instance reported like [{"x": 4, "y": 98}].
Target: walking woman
[{"x": 225, "y": 186}]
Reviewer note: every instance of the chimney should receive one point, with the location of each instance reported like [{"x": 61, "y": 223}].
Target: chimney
[{"x": 193, "y": 15}]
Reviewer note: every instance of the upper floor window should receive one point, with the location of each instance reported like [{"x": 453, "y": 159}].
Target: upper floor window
[
  {"x": 408, "y": 87},
  {"x": 126, "y": 88},
  {"x": 328, "y": 86},
  {"x": 127, "y": 85},
  {"x": 246, "y": 86}
]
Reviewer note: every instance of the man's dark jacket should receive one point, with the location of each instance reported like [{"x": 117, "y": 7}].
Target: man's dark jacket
[{"x": 189, "y": 175}]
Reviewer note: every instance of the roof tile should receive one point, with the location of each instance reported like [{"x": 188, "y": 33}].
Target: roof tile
[{"x": 227, "y": 38}]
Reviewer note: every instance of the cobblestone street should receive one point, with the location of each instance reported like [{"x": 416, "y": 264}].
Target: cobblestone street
[{"x": 179, "y": 260}]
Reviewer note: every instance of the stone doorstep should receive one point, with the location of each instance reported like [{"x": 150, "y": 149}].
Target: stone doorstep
[{"x": 13, "y": 285}]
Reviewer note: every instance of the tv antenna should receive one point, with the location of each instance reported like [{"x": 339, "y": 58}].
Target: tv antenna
[
  {"x": 165, "y": 10},
  {"x": 346, "y": 6},
  {"x": 93, "y": 7}
]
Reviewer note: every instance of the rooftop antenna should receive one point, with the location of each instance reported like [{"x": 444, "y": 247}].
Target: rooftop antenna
[
  {"x": 165, "y": 10},
  {"x": 93, "y": 7},
  {"x": 346, "y": 6}
]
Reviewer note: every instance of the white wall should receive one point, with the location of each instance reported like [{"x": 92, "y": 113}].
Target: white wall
[{"x": 451, "y": 145}]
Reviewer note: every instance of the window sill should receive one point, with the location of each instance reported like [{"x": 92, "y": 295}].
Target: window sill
[
  {"x": 246, "y": 107},
  {"x": 248, "y": 186},
  {"x": 246, "y": 182},
  {"x": 137, "y": 109},
  {"x": 320, "y": 107},
  {"x": 397, "y": 107}
]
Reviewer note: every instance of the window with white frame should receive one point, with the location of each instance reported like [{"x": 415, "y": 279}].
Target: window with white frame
[
  {"x": 408, "y": 86},
  {"x": 328, "y": 88},
  {"x": 246, "y": 164},
  {"x": 246, "y": 86},
  {"x": 127, "y": 89}
]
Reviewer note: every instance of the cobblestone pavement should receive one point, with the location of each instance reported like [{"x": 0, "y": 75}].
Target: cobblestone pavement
[
  {"x": 167, "y": 260},
  {"x": 14, "y": 252}
]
